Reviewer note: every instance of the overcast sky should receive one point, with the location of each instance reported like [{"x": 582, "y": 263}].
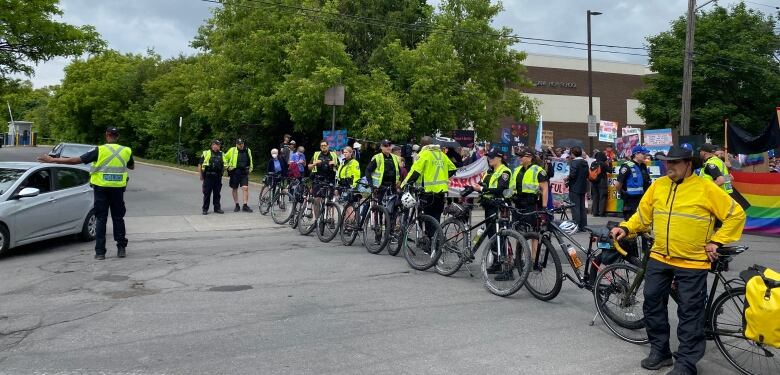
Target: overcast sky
[{"x": 168, "y": 26}]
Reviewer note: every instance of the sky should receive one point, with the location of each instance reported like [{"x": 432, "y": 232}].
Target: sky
[{"x": 168, "y": 26}]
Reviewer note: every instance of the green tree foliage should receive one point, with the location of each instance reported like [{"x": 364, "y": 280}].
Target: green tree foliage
[
  {"x": 736, "y": 72},
  {"x": 27, "y": 104},
  {"x": 28, "y": 35}
]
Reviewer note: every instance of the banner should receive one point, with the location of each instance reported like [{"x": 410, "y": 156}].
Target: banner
[
  {"x": 762, "y": 193},
  {"x": 742, "y": 142},
  {"x": 632, "y": 131},
  {"x": 558, "y": 189},
  {"x": 464, "y": 137},
  {"x": 658, "y": 140},
  {"x": 468, "y": 175},
  {"x": 336, "y": 139},
  {"x": 623, "y": 145},
  {"x": 506, "y": 135},
  {"x": 607, "y": 131},
  {"x": 519, "y": 135}
]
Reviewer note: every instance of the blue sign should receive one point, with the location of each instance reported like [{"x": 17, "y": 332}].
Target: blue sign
[{"x": 337, "y": 139}]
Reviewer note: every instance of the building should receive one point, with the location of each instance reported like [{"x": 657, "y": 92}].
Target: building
[
  {"x": 19, "y": 133},
  {"x": 561, "y": 84}
]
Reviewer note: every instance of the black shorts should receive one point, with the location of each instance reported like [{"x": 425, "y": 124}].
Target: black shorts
[{"x": 238, "y": 178}]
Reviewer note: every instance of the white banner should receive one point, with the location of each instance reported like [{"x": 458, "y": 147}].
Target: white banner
[{"x": 468, "y": 175}]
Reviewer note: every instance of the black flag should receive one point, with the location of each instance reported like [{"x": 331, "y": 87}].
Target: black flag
[{"x": 742, "y": 142}]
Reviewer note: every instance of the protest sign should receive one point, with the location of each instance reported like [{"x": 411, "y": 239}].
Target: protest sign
[
  {"x": 658, "y": 140},
  {"x": 607, "y": 131},
  {"x": 623, "y": 145},
  {"x": 336, "y": 139},
  {"x": 547, "y": 138},
  {"x": 464, "y": 137},
  {"x": 519, "y": 135}
]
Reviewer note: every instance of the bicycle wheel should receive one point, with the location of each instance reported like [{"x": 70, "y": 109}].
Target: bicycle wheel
[
  {"x": 420, "y": 239},
  {"x": 263, "y": 197},
  {"x": 546, "y": 276},
  {"x": 515, "y": 259},
  {"x": 266, "y": 200},
  {"x": 282, "y": 208},
  {"x": 349, "y": 226},
  {"x": 375, "y": 229},
  {"x": 747, "y": 356},
  {"x": 329, "y": 222},
  {"x": 453, "y": 247},
  {"x": 397, "y": 225},
  {"x": 306, "y": 220},
  {"x": 622, "y": 313}
]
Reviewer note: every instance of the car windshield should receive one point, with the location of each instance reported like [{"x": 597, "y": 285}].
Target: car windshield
[
  {"x": 8, "y": 177},
  {"x": 69, "y": 151}
]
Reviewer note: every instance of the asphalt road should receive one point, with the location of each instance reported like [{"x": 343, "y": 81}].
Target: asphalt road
[{"x": 237, "y": 294}]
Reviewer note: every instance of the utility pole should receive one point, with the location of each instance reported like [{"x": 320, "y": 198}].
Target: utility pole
[
  {"x": 591, "y": 119},
  {"x": 178, "y": 147},
  {"x": 685, "y": 112}
]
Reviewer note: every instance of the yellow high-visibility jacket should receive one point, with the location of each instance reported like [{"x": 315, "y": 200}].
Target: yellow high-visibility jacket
[{"x": 683, "y": 216}]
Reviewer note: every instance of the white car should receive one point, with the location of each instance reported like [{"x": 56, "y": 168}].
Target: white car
[{"x": 42, "y": 201}]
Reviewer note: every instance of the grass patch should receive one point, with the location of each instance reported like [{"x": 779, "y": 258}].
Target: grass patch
[{"x": 255, "y": 176}]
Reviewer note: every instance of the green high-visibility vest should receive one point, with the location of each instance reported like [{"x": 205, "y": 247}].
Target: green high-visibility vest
[
  {"x": 379, "y": 172},
  {"x": 333, "y": 157},
  {"x": 110, "y": 169},
  {"x": 714, "y": 160},
  {"x": 493, "y": 182},
  {"x": 530, "y": 182}
]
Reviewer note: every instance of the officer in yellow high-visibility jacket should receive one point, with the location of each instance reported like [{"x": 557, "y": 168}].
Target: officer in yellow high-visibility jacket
[
  {"x": 681, "y": 208},
  {"x": 714, "y": 169},
  {"x": 108, "y": 176},
  {"x": 434, "y": 170},
  {"x": 493, "y": 185}
]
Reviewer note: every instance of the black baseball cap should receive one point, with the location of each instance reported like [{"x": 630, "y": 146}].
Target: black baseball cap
[
  {"x": 239, "y": 141},
  {"x": 386, "y": 142},
  {"x": 495, "y": 154},
  {"x": 708, "y": 147},
  {"x": 216, "y": 142},
  {"x": 524, "y": 152},
  {"x": 112, "y": 130}
]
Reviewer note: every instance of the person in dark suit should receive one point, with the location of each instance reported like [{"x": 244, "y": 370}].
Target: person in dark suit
[
  {"x": 578, "y": 187},
  {"x": 599, "y": 187}
]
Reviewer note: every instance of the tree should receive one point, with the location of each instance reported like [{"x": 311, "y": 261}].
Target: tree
[
  {"x": 28, "y": 34},
  {"x": 28, "y": 104},
  {"x": 736, "y": 72}
]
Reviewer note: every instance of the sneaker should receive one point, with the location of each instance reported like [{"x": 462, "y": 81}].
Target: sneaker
[
  {"x": 219, "y": 211},
  {"x": 100, "y": 256},
  {"x": 677, "y": 371},
  {"x": 656, "y": 362},
  {"x": 246, "y": 209},
  {"x": 205, "y": 212},
  {"x": 505, "y": 276},
  {"x": 120, "y": 252},
  {"x": 238, "y": 208}
]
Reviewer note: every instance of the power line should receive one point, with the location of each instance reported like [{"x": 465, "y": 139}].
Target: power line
[{"x": 762, "y": 4}]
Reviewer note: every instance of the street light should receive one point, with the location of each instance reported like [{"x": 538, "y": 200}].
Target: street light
[{"x": 590, "y": 83}]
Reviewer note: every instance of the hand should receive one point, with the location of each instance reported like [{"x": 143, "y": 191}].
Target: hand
[
  {"x": 476, "y": 187},
  {"x": 45, "y": 159},
  {"x": 617, "y": 233},
  {"x": 712, "y": 251},
  {"x": 317, "y": 162}
]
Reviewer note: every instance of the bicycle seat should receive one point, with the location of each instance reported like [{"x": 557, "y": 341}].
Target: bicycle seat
[
  {"x": 731, "y": 250},
  {"x": 601, "y": 232}
]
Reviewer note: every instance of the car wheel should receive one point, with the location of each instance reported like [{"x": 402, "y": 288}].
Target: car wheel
[
  {"x": 5, "y": 240},
  {"x": 89, "y": 229}
]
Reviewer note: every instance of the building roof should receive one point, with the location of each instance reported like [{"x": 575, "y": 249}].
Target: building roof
[{"x": 578, "y": 63}]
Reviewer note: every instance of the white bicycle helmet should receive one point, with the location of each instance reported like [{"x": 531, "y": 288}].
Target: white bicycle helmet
[
  {"x": 569, "y": 227},
  {"x": 408, "y": 201}
]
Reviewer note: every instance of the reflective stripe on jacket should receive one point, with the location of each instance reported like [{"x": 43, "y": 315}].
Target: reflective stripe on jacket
[
  {"x": 316, "y": 157},
  {"x": 434, "y": 167},
  {"x": 379, "y": 172},
  {"x": 110, "y": 169},
  {"x": 530, "y": 182},
  {"x": 714, "y": 160},
  {"x": 231, "y": 158},
  {"x": 350, "y": 169},
  {"x": 635, "y": 186}
]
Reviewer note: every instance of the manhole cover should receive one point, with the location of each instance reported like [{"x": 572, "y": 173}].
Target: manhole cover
[{"x": 230, "y": 288}]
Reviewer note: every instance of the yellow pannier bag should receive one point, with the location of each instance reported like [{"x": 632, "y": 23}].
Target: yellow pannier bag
[{"x": 762, "y": 305}]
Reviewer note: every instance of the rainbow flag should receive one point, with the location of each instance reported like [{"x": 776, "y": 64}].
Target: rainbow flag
[{"x": 762, "y": 192}]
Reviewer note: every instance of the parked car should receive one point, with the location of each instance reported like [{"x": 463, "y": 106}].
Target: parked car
[
  {"x": 69, "y": 150},
  {"x": 42, "y": 201}
]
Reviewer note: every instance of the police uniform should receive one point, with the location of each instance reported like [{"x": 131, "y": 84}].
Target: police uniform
[
  {"x": 714, "y": 168},
  {"x": 212, "y": 168},
  {"x": 496, "y": 181},
  {"x": 108, "y": 177},
  {"x": 324, "y": 172},
  {"x": 433, "y": 169},
  {"x": 240, "y": 165},
  {"x": 384, "y": 171},
  {"x": 634, "y": 181},
  {"x": 349, "y": 173},
  {"x": 525, "y": 183}
]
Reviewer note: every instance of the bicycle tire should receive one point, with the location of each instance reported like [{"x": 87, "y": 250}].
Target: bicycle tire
[
  {"x": 615, "y": 279},
  {"x": 306, "y": 221},
  {"x": 397, "y": 234},
  {"x": 349, "y": 230},
  {"x": 453, "y": 247},
  {"x": 419, "y": 248},
  {"x": 282, "y": 208},
  {"x": 335, "y": 223},
  {"x": 266, "y": 200},
  {"x": 376, "y": 223},
  {"x": 294, "y": 217},
  {"x": 764, "y": 356},
  {"x": 520, "y": 264},
  {"x": 541, "y": 267}
]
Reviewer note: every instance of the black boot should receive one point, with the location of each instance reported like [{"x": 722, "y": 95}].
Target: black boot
[
  {"x": 246, "y": 208},
  {"x": 120, "y": 251},
  {"x": 655, "y": 361},
  {"x": 238, "y": 208}
]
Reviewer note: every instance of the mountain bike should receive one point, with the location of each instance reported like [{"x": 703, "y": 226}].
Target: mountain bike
[
  {"x": 398, "y": 219},
  {"x": 511, "y": 248},
  {"x": 328, "y": 220},
  {"x": 283, "y": 205},
  {"x": 366, "y": 216},
  {"x": 300, "y": 189},
  {"x": 422, "y": 232},
  {"x": 273, "y": 185}
]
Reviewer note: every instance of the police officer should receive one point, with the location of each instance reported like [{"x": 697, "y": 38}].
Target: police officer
[
  {"x": 633, "y": 180},
  {"x": 530, "y": 186},
  {"x": 434, "y": 170},
  {"x": 714, "y": 169},
  {"x": 108, "y": 177},
  {"x": 680, "y": 208},
  {"x": 493, "y": 185},
  {"x": 240, "y": 165},
  {"x": 211, "y": 168},
  {"x": 384, "y": 171}
]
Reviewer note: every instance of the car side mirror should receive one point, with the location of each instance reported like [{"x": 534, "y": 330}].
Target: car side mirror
[{"x": 28, "y": 192}]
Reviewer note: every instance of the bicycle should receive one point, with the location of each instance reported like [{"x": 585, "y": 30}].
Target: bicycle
[
  {"x": 511, "y": 247},
  {"x": 369, "y": 217},
  {"x": 273, "y": 185},
  {"x": 420, "y": 245},
  {"x": 284, "y": 207},
  {"x": 328, "y": 220},
  {"x": 398, "y": 219}
]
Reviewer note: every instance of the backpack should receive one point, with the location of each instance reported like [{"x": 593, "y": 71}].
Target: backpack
[
  {"x": 594, "y": 172},
  {"x": 762, "y": 305}
]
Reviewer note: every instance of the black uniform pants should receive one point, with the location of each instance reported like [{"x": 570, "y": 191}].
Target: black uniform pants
[
  {"x": 692, "y": 291},
  {"x": 212, "y": 188},
  {"x": 630, "y": 205},
  {"x": 434, "y": 208},
  {"x": 114, "y": 199},
  {"x": 598, "y": 192}
]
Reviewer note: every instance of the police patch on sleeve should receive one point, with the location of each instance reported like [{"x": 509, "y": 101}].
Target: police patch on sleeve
[
  {"x": 712, "y": 167},
  {"x": 623, "y": 170},
  {"x": 505, "y": 176}
]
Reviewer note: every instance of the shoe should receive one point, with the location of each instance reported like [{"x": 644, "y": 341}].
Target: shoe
[
  {"x": 100, "y": 256},
  {"x": 655, "y": 362},
  {"x": 120, "y": 252},
  {"x": 219, "y": 211},
  {"x": 205, "y": 212},
  {"x": 246, "y": 209},
  {"x": 677, "y": 371},
  {"x": 494, "y": 268},
  {"x": 505, "y": 276},
  {"x": 238, "y": 208}
]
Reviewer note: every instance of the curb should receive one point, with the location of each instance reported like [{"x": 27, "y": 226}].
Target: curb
[{"x": 187, "y": 171}]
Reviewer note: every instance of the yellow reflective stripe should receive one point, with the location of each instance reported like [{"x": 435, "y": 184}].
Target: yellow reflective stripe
[
  {"x": 103, "y": 165},
  {"x": 690, "y": 216}
]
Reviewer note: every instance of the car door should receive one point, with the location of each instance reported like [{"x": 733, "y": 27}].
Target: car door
[
  {"x": 73, "y": 198},
  {"x": 34, "y": 216}
]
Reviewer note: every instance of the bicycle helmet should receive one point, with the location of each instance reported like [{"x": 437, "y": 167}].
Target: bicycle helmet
[
  {"x": 569, "y": 227},
  {"x": 408, "y": 201}
]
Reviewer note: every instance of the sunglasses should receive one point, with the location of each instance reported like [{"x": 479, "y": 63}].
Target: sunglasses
[{"x": 323, "y": 145}]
